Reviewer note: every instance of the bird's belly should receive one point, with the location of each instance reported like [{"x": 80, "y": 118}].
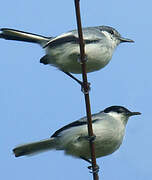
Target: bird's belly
[
  {"x": 96, "y": 58},
  {"x": 103, "y": 147},
  {"x": 107, "y": 147}
]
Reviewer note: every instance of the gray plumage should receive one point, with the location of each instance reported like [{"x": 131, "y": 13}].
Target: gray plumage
[
  {"x": 63, "y": 51},
  {"x": 108, "y": 126}
]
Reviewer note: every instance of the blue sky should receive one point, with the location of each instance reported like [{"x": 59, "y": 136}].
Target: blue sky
[{"x": 35, "y": 100}]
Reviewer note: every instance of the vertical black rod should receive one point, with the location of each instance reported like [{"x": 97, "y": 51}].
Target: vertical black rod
[{"x": 86, "y": 89}]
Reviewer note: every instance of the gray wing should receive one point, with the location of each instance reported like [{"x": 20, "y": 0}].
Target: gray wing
[
  {"x": 80, "y": 122},
  {"x": 90, "y": 35}
]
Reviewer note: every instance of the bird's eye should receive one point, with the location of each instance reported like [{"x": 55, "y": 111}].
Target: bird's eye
[{"x": 111, "y": 32}]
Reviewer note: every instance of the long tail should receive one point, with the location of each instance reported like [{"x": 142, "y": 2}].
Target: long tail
[
  {"x": 35, "y": 147},
  {"x": 12, "y": 34}
]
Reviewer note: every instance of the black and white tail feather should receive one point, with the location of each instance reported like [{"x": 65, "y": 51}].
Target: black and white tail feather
[{"x": 12, "y": 34}]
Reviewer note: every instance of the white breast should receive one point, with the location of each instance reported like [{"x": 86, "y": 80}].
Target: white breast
[{"x": 66, "y": 57}]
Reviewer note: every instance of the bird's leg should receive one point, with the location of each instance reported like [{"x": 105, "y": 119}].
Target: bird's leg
[
  {"x": 77, "y": 80},
  {"x": 71, "y": 76},
  {"x": 90, "y": 167},
  {"x": 83, "y": 89},
  {"x": 88, "y": 160}
]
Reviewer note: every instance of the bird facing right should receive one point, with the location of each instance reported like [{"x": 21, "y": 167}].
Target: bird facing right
[
  {"x": 108, "y": 126},
  {"x": 63, "y": 51}
]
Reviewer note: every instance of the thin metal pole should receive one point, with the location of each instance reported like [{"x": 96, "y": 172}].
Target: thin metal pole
[{"x": 86, "y": 90}]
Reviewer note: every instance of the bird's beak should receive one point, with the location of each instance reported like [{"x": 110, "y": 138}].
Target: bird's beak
[
  {"x": 125, "y": 40},
  {"x": 134, "y": 113}
]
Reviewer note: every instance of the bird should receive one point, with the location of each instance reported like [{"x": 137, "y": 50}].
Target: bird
[
  {"x": 63, "y": 51},
  {"x": 108, "y": 126}
]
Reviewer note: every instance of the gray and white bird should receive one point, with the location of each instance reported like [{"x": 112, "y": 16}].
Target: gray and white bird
[
  {"x": 109, "y": 129},
  {"x": 63, "y": 51}
]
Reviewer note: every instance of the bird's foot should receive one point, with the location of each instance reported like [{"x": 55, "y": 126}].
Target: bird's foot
[
  {"x": 80, "y": 61},
  {"x": 88, "y": 138},
  {"x": 84, "y": 89},
  {"x": 95, "y": 170},
  {"x": 91, "y": 138}
]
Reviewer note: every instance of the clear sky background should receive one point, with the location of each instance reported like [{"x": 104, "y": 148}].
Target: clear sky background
[{"x": 36, "y": 100}]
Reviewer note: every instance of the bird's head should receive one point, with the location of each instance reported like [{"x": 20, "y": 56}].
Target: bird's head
[
  {"x": 120, "y": 113},
  {"x": 113, "y": 35}
]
